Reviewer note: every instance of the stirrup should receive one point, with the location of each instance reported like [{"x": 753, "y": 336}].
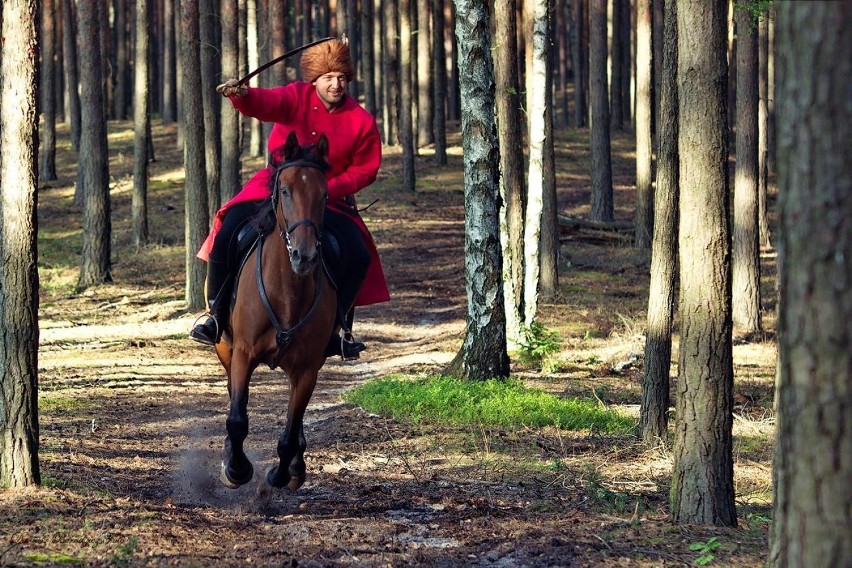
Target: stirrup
[
  {"x": 349, "y": 348},
  {"x": 200, "y": 332}
]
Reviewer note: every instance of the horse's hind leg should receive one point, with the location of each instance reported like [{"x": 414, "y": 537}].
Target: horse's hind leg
[
  {"x": 236, "y": 467},
  {"x": 291, "y": 445}
]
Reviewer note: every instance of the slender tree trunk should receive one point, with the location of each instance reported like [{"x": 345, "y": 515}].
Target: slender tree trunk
[
  {"x": 210, "y": 71},
  {"x": 169, "y": 63},
  {"x": 368, "y": 67},
  {"x": 93, "y": 165},
  {"x": 483, "y": 352},
  {"x": 69, "y": 52},
  {"x": 19, "y": 437},
  {"x": 47, "y": 164},
  {"x": 812, "y": 509},
  {"x": 702, "y": 488},
  {"x": 627, "y": 60},
  {"x": 644, "y": 218},
  {"x": 390, "y": 69},
  {"x": 122, "y": 69},
  {"x": 763, "y": 132},
  {"x": 424, "y": 74},
  {"x": 617, "y": 58},
  {"x": 439, "y": 82},
  {"x": 253, "y": 39},
  {"x": 142, "y": 125},
  {"x": 654, "y": 411},
  {"x": 746, "y": 248},
  {"x": 406, "y": 125},
  {"x": 192, "y": 123},
  {"x": 510, "y": 138},
  {"x": 229, "y": 180},
  {"x": 602, "y": 203},
  {"x": 578, "y": 30}
]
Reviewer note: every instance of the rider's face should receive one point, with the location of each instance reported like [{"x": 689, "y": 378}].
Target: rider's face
[{"x": 331, "y": 89}]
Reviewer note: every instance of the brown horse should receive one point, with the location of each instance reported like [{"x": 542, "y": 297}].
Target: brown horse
[{"x": 289, "y": 327}]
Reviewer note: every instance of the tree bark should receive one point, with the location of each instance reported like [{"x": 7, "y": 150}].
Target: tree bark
[
  {"x": 122, "y": 69},
  {"x": 424, "y": 74},
  {"x": 170, "y": 86},
  {"x": 47, "y": 163},
  {"x": 746, "y": 248},
  {"x": 406, "y": 92},
  {"x": 142, "y": 124},
  {"x": 654, "y": 410},
  {"x": 510, "y": 137},
  {"x": 19, "y": 437},
  {"x": 439, "y": 81},
  {"x": 602, "y": 203},
  {"x": 93, "y": 164},
  {"x": 812, "y": 509},
  {"x": 617, "y": 58},
  {"x": 192, "y": 123},
  {"x": 211, "y": 68},
  {"x": 390, "y": 71},
  {"x": 229, "y": 178},
  {"x": 763, "y": 131},
  {"x": 644, "y": 218},
  {"x": 483, "y": 352},
  {"x": 69, "y": 53},
  {"x": 703, "y": 482},
  {"x": 577, "y": 33}
]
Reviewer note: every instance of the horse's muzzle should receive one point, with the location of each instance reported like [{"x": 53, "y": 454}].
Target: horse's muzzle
[{"x": 303, "y": 262}]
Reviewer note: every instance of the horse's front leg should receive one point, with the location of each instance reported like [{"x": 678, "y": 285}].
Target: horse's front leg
[
  {"x": 291, "y": 445},
  {"x": 236, "y": 467}
]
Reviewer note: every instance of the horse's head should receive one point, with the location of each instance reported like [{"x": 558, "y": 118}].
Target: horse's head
[{"x": 299, "y": 192}]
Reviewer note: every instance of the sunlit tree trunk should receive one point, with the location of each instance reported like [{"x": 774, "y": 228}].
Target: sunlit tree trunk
[
  {"x": 390, "y": 66},
  {"x": 93, "y": 165},
  {"x": 617, "y": 57},
  {"x": 192, "y": 123},
  {"x": 141, "y": 124},
  {"x": 406, "y": 92},
  {"x": 812, "y": 510},
  {"x": 424, "y": 73},
  {"x": 654, "y": 410},
  {"x": 483, "y": 352},
  {"x": 47, "y": 161},
  {"x": 510, "y": 136},
  {"x": 229, "y": 179},
  {"x": 439, "y": 81},
  {"x": 644, "y": 218},
  {"x": 702, "y": 489},
  {"x": 745, "y": 269},
  {"x": 169, "y": 109},
  {"x": 763, "y": 131},
  {"x": 256, "y": 142},
  {"x": 19, "y": 437}
]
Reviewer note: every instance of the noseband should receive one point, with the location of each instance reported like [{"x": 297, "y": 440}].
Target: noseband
[{"x": 285, "y": 231}]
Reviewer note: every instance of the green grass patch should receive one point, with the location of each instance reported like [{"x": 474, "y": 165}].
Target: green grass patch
[
  {"x": 494, "y": 402},
  {"x": 51, "y": 405},
  {"x": 54, "y": 558}
]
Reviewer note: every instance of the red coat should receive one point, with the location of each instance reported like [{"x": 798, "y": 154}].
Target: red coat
[{"x": 355, "y": 154}]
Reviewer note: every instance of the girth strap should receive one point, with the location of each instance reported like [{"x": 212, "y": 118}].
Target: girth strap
[{"x": 283, "y": 337}]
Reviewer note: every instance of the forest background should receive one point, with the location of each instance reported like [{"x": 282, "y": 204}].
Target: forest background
[{"x": 612, "y": 481}]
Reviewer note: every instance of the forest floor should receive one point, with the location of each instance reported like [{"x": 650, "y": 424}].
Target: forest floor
[{"x": 132, "y": 413}]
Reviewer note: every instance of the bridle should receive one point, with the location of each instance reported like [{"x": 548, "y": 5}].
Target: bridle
[
  {"x": 288, "y": 228},
  {"x": 283, "y": 336}
]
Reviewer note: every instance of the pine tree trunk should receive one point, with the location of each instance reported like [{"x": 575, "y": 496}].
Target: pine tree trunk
[
  {"x": 47, "y": 161},
  {"x": 390, "y": 72},
  {"x": 745, "y": 258},
  {"x": 229, "y": 179},
  {"x": 122, "y": 69},
  {"x": 577, "y": 32},
  {"x": 763, "y": 131},
  {"x": 93, "y": 165},
  {"x": 617, "y": 57},
  {"x": 439, "y": 66},
  {"x": 192, "y": 123},
  {"x": 170, "y": 87},
  {"x": 19, "y": 437},
  {"x": 702, "y": 488},
  {"x": 406, "y": 125},
  {"x": 644, "y": 218},
  {"x": 509, "y": 135},
  {"x": 654, "y": 410},
  {"x": 483, "y": 352},
  {"x": 141, "y": 124},
  {"x": 602, "y": 205},
  {"x": 210, "y": 71},
  {"x": 812, "y": 509},
  {"x": 424, "y": 74},
  {"x": 69, "y": 53}
]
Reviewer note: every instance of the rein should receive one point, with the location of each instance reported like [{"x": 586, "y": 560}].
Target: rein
[{"x": 284, "y": 336}]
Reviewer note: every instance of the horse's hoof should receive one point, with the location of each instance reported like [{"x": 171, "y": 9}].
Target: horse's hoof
[
  {"x": 270, "y": 478},
  {"x": 232, "y": 483},
  {"x": 295, "y": 482}
]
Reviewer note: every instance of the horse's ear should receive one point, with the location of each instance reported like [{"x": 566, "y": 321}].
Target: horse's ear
[
  {"x": 322, "y": 147},
  {"x": 291, "y": 147}
]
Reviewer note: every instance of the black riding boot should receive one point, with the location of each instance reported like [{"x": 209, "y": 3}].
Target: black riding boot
[
  {"x": 208, "y": 330},
  {"x": 344, "y": 343}
]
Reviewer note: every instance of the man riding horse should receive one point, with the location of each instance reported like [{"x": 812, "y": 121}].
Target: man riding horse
[{"x": 315, "y": 106}]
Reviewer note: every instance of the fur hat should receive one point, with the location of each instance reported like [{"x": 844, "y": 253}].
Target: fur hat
[{"x": 328, "y": 57}]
